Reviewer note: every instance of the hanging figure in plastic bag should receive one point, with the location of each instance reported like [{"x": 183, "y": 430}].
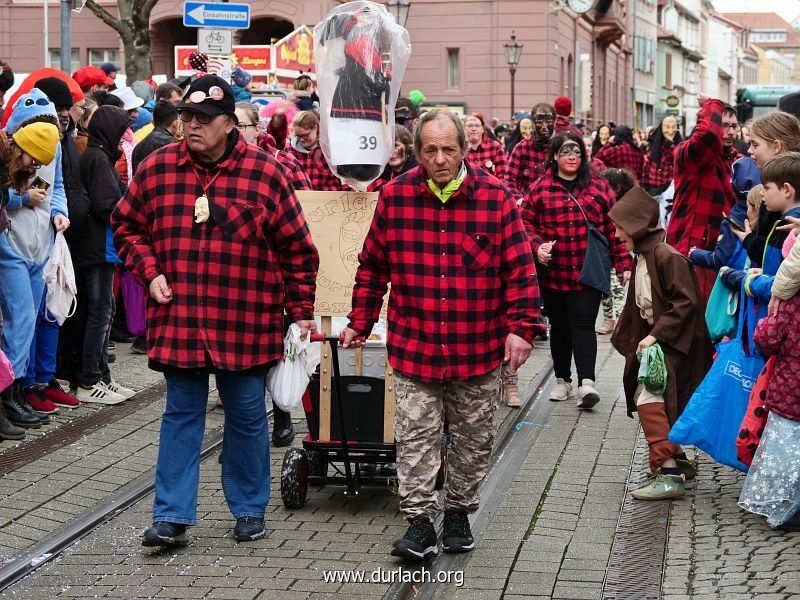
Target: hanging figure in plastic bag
[
  {"x": 662, "y": 307},
  {"x": 360, "y": 63}
]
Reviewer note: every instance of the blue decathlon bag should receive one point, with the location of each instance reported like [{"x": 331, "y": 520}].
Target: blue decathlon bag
[
  {"x": 721, "y": 311},
  {"x": 713, "y": 416}
]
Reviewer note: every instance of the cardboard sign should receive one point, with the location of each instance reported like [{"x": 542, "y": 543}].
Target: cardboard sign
[{"x": 339, "y": 222}]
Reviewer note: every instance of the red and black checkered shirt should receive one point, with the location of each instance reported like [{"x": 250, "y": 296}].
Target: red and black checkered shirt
[
  {"x": 525, "y": 166},
  {"x": 462, "y": 276},
  {"x": 489, "y": 156},
  {"x": 316, "y": 168},
  {"x": 659, "y": 175},
  {"x": 294, "y": 170},
  {"x": 703, "y": 189},
  {"x": 622, "y": 156},
  {"x": 551, "y": 215},
  {"x": 232, "y": 276}
]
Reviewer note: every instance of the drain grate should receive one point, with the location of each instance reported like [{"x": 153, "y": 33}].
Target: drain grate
[
  {"x": 637, "y": 554},
  {"x": 71, "y": 432}
]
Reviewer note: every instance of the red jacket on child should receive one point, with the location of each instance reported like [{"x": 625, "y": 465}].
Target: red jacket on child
[{"x": 781, "y": 335}]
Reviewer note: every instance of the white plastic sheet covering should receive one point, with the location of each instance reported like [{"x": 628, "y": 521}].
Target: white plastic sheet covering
[{"x": 360, "y": 54}]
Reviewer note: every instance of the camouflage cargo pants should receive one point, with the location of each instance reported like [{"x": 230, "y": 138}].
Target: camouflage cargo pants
[
  {"x": 470, "y": 407},
  {"x": 613, "y": 303}
]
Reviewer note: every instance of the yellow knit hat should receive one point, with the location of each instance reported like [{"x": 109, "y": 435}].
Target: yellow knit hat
[{"x": 40, "y": 140}]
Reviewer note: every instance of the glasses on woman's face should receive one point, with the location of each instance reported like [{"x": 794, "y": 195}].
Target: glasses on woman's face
[
  {"x": 302, "y": 136},
  {"x": 569, "y": 151},
  {"x": 187, "y": 115},
  {"x": 244, "y": 126}
]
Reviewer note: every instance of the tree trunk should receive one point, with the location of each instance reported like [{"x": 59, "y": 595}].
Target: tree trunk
[{"x": 137, "y": 56}]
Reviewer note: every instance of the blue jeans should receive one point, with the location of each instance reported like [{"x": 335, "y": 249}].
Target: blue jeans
[
  {"x": 21, "y": 289},
  {"x": 245, "y": 455},
  {"x": 44, "y": 349},
  {"x": 99, "y": 281}
]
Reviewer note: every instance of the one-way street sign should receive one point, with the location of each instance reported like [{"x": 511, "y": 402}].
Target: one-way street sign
[{"x": 216, "y": 15}]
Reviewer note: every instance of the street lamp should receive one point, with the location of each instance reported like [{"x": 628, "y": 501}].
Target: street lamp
[
  {"x": 513, "y": 51},
  {"x": 399, "y": 10}
]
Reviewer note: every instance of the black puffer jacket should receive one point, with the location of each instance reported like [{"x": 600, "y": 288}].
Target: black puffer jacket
[
  {"x": 77, "y": 198},
  {"x": 103, "y": 184}
]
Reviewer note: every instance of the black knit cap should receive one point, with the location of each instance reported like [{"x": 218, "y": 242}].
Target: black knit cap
[
  {"x": 790, "y": 103},
  {"x": 57, "y": 91},
  {"x": 217, "y": 97}
]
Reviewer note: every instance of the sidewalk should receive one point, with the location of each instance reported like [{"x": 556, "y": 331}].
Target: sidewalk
[{"x": 331, "y": 532}]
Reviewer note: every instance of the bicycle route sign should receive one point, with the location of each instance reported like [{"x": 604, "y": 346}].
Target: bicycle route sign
[
  {"x": 215, "y": 42},
  {"x": 216, "y": 15}
]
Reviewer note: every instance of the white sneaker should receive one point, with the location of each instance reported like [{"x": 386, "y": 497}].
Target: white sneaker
[
  {"x": 587, "y": 395},
  {"x": 113, "y": 386},
  {"x": 99, "y": 394},
  {"x": 562, "y": 391}
]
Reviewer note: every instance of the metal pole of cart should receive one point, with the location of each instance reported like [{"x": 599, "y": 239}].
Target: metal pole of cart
[{"x": 337, "y": 385}]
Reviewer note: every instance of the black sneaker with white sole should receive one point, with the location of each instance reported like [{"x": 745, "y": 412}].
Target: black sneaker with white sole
[
  {"x": 419, "y": 542},
  {"x": 249, "y": 529},
  {"x": 457, "y": 533},
  {"x": 163, "y": 533}
]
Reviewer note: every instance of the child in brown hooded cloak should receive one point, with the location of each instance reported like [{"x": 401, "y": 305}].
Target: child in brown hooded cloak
[{"x": 663, "y": 306}]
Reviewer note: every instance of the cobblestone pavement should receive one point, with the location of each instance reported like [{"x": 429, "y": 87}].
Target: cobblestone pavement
[
  {"x": 549, "y": 520},
  {"x": 716, "y": 550},
  {"x": 331, "y": 532}
]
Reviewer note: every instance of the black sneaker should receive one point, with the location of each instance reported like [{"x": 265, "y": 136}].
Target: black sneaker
[
  {"x": 419, "y": 542},
  {"x": 249, "y": 529},
  {"x": 457, "y": 534},
  {"x": 165, "y": 534}
]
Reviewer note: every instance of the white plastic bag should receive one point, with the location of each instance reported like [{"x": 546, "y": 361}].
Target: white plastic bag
[
  {"x": 360, "y": 54},
  {"x": 287, "y": 381},
  {"x": 59, "y": 277}
]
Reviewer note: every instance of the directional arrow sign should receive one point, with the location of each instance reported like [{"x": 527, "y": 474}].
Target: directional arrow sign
[{"x": 216, "y": 15}]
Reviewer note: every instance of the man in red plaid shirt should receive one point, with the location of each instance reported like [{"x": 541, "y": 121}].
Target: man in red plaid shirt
[
  {"x": 213, "y": 229},
  {"x": 464, "y": 298},
  {"x": 527, "y": 161},
  {"x": 703, "y": 190}
]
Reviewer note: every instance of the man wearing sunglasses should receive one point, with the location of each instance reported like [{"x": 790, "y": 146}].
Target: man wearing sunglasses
[
  {"x": 528, "y": 159},
  {"x": 213, "y": 229}
]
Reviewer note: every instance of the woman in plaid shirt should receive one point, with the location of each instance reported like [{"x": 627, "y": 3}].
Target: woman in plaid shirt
[
  {"x": 553, "y": 211},
  {"x": 658, "y": 162},
  {"x": 483, "y": 152},
  {"x": 622, "y": 152}
]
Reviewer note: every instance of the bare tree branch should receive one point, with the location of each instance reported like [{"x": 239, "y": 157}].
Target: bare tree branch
[
  {"x": 105, "y": 16},
  {"x": 147, "y": 8}
]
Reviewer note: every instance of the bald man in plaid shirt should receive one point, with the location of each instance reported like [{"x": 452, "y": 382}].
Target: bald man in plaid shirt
[{"x": 464, "y": 298}]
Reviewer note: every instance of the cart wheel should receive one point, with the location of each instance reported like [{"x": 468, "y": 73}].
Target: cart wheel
[
  {"x": 294, "y": 478},
  {"x": 317, "y": 463}
]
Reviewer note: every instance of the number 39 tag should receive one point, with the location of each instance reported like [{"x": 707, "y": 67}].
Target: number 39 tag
[
  {"x": 367, "y": 142},
  {"x": 358, "y": 142}
]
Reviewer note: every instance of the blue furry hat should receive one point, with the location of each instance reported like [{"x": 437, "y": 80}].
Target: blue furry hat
[{"x": 29, "y": 106}]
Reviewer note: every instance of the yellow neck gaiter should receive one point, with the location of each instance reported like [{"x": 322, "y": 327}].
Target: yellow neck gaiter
[{"x": 448, "y": 190}]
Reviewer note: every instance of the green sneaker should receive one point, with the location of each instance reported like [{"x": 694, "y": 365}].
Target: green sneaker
[
  {"x": 663, "y": 487},
  {"x": 688, "y": 468}
]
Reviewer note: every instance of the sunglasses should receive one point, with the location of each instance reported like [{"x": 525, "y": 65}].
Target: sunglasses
[{"x": 187, "y": 115}]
